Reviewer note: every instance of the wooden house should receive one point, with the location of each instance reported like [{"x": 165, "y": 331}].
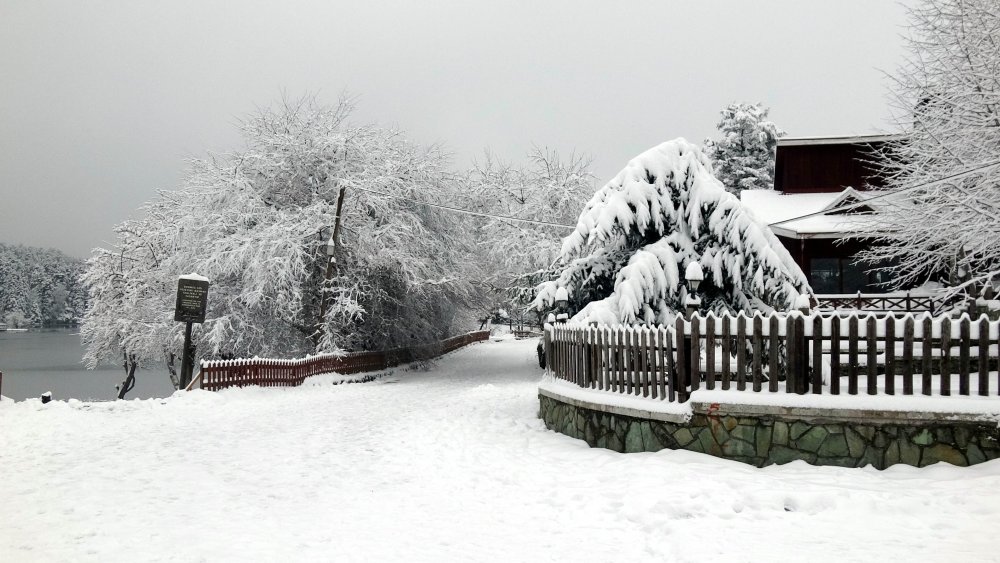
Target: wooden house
[{"x": 814, "y": 175}]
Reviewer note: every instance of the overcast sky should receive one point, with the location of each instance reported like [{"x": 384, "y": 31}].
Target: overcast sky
[{"x": 102, "y": 102}]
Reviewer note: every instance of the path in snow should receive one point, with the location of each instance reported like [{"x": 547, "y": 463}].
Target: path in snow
[{"x": 445, "y": 464}]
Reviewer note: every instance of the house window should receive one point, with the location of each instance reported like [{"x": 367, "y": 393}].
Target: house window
[
  {"x": 844, "y": 275},
  {"x": 825, "y": 275}
]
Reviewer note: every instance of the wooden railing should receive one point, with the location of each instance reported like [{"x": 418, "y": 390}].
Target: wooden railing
[
  {"x": 892, "y": 302},
  {"x": 782, "y": 353},
  {"x": 220, "y": 374}
]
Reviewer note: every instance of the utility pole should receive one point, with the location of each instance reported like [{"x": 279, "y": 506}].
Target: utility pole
[{"x": 331, "y": 251}]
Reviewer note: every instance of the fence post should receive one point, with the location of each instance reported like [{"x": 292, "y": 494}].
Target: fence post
[
  {"x": 852, "y": 355},
  {"x": 727, "y": 349},
  {"x": 644, "y": 370},
  {"x": 546, "y": 358},
  {"x": 984, "y": 347},
  {"x": 710, "y": 351},
  {"x": 925, "y": 382},
  {"x": 965, "y": 333},
  {"x": 681, "y": 365},
  {"x": 908, "y": 355},
  {"x": 668, "y": 357},
  {"x": 694, "y": 356},
  {"x": 774, "y": 369},
  {"x": 871, "y": 334},
  {"x": 945, "y": 356},
  {"x": 757, "y": 335},
  {"x": 741, "y": 351},
  {"x": 817, "y": 359},
  {"x": 791, "y": 355},
  {"x": 835, "y": 355},
  {"x": 800, "y": 367},
  {"x": 890, "y": 355}
]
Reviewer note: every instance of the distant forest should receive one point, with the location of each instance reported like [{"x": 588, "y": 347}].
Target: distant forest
[{"x": 40, "y": 287}]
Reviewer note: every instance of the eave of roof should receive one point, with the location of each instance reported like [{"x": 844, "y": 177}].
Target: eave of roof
[{"x": 836, "y": 140}]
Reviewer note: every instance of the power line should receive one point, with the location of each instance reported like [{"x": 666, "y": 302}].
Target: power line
[
  {"x": 888, "y": 194},
  {"x": 466, "y": 211}
]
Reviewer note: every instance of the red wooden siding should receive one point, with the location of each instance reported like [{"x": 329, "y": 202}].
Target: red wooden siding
[{"x": 824, "y": 168}]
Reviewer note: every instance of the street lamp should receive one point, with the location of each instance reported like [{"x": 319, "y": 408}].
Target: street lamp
[
  {"x": 562, "y": 302},
  {"x": 694, "y": 276}
]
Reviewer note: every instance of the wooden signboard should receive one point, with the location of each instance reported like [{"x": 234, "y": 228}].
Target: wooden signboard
[{"x": 192, "y": 299}]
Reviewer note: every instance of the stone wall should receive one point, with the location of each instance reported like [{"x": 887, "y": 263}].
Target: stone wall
[{"x": 762, "y": 435}]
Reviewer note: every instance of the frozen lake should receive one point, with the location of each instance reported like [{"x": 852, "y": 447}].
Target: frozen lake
[{"x": 50, "y": 360}]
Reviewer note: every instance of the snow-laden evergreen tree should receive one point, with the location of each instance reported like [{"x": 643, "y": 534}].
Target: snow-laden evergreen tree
[
  {"x": 256, "y": 223},
  {"x": 945, "y": 165},
  {"x": 638, "y": 234},
  {"x": 743, "y": 158}
]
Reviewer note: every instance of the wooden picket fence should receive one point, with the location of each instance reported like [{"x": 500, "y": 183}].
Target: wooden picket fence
[
  {"x": 791, "y": 353},
  {"x": 220, "y": 374}
]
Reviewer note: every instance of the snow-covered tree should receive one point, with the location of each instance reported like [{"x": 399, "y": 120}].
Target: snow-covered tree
[
  {"x": 944, "y": 167},
  {"x": 515, "y": 255},
  {"x": 41, "y": 285},
  {"x": 256, "y": 222},
  {"x": 641, "y": 231},
  {"x": 744, "y": 157}
]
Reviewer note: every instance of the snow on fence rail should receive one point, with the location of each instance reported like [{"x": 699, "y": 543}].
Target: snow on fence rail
[
  {"x": 782, "y": 352},
  {"x": 263, "y": 372}
]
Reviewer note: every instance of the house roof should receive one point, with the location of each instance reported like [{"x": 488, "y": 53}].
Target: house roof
[
  {"x": 835, "y": 140},
  {"x": 781, "y": 212}
]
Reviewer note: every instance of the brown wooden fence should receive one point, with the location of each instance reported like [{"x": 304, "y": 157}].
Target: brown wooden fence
[
  {"x": 783, "y": 353},
  {"x": 896, "y": 302},
  {"x": 220, "y": 374}
]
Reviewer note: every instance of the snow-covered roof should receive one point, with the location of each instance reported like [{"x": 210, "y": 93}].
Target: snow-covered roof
[
  {"x": 779, "y": 210},
  {"x": 835, "y": 140}
]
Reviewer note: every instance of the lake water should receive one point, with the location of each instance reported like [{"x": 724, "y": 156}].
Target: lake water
[{"x": 50, "y": 360}]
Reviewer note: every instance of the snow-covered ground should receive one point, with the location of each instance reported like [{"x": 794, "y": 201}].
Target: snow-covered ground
[{"x": 449, "y": 464}]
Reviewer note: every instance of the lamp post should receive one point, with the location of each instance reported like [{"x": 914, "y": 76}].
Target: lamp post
[
  {"x": 562, "y": 302},
  {"x": 694, "y": 276}
]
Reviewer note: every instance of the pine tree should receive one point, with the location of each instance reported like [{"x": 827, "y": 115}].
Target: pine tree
[
  {"x": 744, "y": 156},
  {"x": 638, "y": 233}
]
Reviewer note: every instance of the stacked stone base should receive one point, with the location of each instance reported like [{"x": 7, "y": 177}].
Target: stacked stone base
[{"x": 763, "y": 435}]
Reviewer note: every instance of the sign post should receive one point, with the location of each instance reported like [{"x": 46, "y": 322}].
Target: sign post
[{"x": 192, "y": 300}]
